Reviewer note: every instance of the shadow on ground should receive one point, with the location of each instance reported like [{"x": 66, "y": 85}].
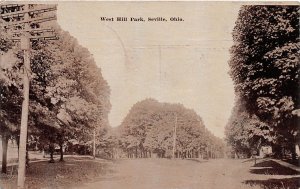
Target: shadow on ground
[
  {"x": 73, "y": 172},
  {"x": 269, "y": 167},
  {"x": 295, "y": 162},
  {"x": 291, "y": 183}
]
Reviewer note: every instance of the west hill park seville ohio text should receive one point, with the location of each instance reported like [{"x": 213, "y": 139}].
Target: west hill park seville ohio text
[{"x": 140, "y": 19}]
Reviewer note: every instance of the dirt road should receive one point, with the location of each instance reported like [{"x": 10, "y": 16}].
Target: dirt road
[
  {"x": 179, "y": 174},
  {"x": 80, "y": 172}
]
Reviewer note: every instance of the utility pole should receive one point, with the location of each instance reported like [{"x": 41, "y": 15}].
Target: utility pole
[
  {"x": 174, "y": 137},
  {"x": 24, "y": 20},
  {"x": 25, "y": 46}
]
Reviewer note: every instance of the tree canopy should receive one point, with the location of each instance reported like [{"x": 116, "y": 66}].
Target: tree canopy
[
  {"x": 150, "y": 127},
  {"x": 264, "y": 66},
  {"x": 69, "y": 98}
]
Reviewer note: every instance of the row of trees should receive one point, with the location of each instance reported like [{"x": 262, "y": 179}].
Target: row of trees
[
  {"x": 265, "y": 66},
  {"x": 69, "y": 99},
  {"x": 151, "y": 127}
]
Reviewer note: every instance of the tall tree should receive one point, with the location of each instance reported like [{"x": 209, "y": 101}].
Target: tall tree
[
  {"x": 265, "y": 66},
  {"x": 246, "y": 133},
  {"x": 10, "y": 89},
  {"x": 76, "y": 93},
  {"x": 150, "y": 126},
  {"x": 67, "y": 93}
]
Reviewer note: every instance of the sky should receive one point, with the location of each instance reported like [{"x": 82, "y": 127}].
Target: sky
[{"x": 177, "y": 62}]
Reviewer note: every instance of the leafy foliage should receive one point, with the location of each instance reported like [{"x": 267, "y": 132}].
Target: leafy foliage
[
  {"x": 68, "y": 96},
  {"x": 264, "y": 66},
  {"x": 150, "y": 126}
]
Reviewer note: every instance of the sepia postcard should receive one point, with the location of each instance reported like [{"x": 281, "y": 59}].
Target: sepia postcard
[{"x": 149, "y": 95}]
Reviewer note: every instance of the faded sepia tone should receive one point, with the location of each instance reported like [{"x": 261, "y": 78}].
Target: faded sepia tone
[
  {"x": 182, "y": 62},
  {"x": 167, "y": 95}
]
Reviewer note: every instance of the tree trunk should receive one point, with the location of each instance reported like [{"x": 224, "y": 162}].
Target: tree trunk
[
  {"x": 51, "y": 149},
  {"x": 293, "y": 152},
  {"x": 18, "y": 144},
  {"x": 61, "y": 152},
  {"x": 4, "y": 153},
  {"x": 136, "y": 152},
  {"x": 27, "y": 157},
  {"x": 277, "y": 149}
]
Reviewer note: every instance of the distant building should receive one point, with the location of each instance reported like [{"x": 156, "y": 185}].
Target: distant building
[{"x": 265, "y": 151}]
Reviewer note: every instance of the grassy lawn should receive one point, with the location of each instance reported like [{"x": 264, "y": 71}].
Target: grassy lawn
[{"x": 72, "y": 172}]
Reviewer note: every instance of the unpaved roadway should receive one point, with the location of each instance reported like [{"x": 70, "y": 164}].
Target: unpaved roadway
[{"x": 179, "y": 174}]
